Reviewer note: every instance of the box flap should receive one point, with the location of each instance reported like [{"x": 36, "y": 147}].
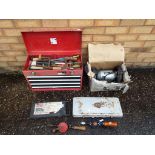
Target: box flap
[
  {"x": 105, "y": 56},
  {"x": 52, "y": 41}
]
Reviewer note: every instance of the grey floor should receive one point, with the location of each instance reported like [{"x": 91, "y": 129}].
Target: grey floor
[{"x": 138, "y": 106}]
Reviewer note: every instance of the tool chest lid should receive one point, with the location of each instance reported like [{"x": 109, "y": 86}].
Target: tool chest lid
[{"x": 52, "y": 41}]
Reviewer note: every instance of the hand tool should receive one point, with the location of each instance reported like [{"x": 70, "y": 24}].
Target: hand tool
[
  {"x": 110, "y": 124},
  {"x": 93, "y": 124},
  {"x": 45, "y": 66},
  {"x": 115, "y": 75},
  {"x": 76, "y": 66},
  {"x": 63, "y": 127},
  {"x": 72, "y": 58},
  {"x": 42, "y": 63},
  {"x": 90, "y": 73},
  {"x": 73, "y": 63},
  {"x": 101, "y": 122},
  {"x": 40, "y": 58},
  {"x": 76, "y": 56},
  {"x": 82, "y": 128},
  {"x": 49, "y": 63},
  {"x": 97, "y": 123},
  {"x": 107, "y": 75},
  {"x": 55, "y": 64},
  {"x": 119, "y": 71},
  {"x": 36, "y": 67},
  {"x": 52, "y": 67}
]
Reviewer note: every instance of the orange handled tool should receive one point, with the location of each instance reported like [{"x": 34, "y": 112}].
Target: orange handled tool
[
  {"x": 110, "y": 124},
  {"x": 95, "y": 124}
]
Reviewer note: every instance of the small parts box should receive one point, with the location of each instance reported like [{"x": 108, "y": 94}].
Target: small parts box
[
  {"x": 106, "y": 68},
  {"x": 58, "y": 47},
  {"x": 97, "y": 107}
]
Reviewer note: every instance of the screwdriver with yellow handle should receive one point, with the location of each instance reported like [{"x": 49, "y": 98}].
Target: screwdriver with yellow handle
[{"x": 82, "y": 128}]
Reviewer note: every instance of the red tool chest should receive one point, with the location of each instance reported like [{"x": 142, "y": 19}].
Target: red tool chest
[{"x": 53, "y": 44}]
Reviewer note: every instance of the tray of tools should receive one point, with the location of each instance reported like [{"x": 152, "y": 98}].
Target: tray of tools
[{"x": 47, "y": 63}]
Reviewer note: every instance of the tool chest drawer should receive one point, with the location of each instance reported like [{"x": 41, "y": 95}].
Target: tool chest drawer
[
  {"x": 54, "y": 60},
  {"x": 37, "y": 82},
  {"x": 53, "y": 72}
]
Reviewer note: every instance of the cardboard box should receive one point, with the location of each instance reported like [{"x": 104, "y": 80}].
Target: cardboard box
[
  {"x": 53, "y": 44},
  {"x": 106, "y": 57}
]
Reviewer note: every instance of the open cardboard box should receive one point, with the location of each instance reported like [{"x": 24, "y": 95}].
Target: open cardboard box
[{"x": 106, "y": 57}]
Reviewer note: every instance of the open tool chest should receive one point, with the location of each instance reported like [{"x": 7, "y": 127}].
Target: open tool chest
[{"x": 54, "y": 60}]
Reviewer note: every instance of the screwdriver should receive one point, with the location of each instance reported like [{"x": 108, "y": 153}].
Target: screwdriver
[{"x": 97, "y": 124}]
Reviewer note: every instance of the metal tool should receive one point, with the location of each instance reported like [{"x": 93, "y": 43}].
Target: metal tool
[
  {"x": 55, "y": 64},
  {"x": 110, "y": 124},
  {"x": 94, "y": 123},
  {"x": 63, "y": 127},
  {"x": 82, "y": 128},
  {"x": 71, "y": 58},
  {"x": 90, "y": 73},
  {"x": 107, "y": 75},
  {"x": 52, "y": 67},
  {"x": 115, "y": 75},
  {"x": 119, "y": 76}
]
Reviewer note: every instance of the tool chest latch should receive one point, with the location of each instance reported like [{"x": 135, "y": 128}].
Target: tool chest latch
[
  {"x": 62, "y": 73},
  {"x": 33, "y": 73}
]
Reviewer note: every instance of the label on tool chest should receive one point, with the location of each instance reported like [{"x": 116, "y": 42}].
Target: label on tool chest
[{"x": 53, "y": 41}]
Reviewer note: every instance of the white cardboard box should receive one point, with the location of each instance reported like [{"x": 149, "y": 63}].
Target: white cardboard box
[{"x": 107, "y": 56}]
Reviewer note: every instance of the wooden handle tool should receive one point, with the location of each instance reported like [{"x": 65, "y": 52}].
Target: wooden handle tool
[
  {"x": 82, "y": 128},
  {"x": 52, "y": 68}
]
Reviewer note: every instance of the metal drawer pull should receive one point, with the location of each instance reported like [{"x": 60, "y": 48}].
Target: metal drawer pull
[
  {"x": 52, "y": 76},
  {"x": 52, "y": 83},
  {"x": 56, "y": 87},
  {"x": 56, "y": 80}
]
